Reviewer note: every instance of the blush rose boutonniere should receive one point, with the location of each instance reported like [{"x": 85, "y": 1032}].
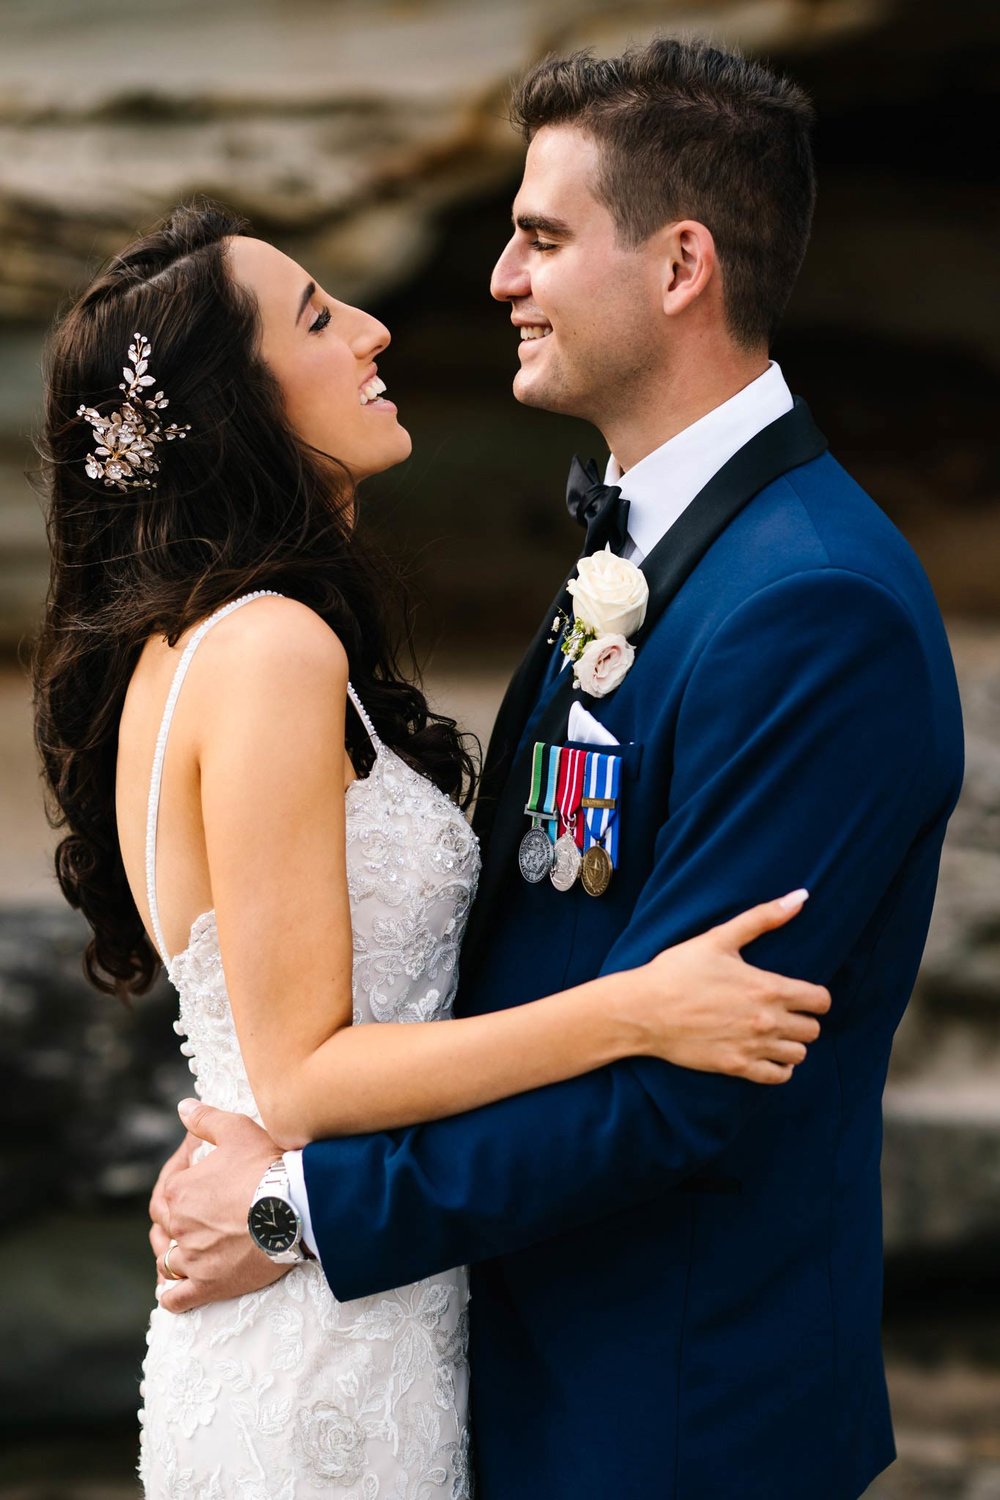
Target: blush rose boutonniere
[{"x": 610, "y": 597}]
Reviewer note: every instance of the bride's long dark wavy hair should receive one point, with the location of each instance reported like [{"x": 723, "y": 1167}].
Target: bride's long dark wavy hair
[{"x": 242, "y": 503}]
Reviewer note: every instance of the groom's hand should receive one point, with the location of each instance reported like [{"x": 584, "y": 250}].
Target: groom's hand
[{"x": 204, "y": 1208}]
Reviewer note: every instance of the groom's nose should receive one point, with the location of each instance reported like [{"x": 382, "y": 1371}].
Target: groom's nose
[{"x": 510, "y": 277}]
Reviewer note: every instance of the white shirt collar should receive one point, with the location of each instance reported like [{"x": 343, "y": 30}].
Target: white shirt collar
[{"x": 663, "y": 484}]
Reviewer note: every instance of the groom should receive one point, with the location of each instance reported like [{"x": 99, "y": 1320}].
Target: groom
[{"x": 676, "y": 1275}]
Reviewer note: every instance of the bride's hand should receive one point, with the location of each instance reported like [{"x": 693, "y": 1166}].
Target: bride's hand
[{"x": 705, "y": 1008}]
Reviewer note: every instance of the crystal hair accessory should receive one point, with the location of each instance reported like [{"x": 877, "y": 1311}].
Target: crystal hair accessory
[{"x": 125, "y": 456}]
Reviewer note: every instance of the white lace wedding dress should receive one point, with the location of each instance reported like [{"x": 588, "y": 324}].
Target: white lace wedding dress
[{"x": 288, "y": 1394}]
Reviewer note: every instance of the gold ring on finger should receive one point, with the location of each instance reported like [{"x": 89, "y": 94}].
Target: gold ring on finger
[{"x": 168, "y": 1270}]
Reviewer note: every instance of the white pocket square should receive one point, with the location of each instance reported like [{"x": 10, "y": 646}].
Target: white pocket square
[{"x": 584, "y": 729}]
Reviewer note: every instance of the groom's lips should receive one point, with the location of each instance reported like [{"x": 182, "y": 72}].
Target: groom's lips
[{"x": 524, "y": 343}]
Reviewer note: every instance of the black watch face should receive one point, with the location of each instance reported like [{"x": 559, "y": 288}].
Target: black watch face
[{"x": 274, "y": 1225}]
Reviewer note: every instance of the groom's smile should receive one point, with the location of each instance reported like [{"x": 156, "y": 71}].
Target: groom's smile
[{"x": 587, "y": 308}]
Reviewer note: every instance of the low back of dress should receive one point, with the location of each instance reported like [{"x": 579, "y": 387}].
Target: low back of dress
[
  {"x": 329, "y": 1373},
  {"x": 412, "y": 866}
]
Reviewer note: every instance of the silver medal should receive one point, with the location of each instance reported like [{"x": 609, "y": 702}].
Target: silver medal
[
  {"x": 566, "y": 862},
  {"x": 535, "y": 855}
]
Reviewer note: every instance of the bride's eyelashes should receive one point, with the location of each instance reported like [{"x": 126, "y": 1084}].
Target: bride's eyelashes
[{"x": 321, "y": 321}]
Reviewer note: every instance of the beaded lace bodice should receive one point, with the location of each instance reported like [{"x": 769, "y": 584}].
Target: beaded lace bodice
[{"x": 363, "y": 1399}]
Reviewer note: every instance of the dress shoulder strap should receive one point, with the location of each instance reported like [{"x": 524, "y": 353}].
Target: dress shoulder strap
[
  {"x": 366, "y": 721},
  {"x": 153, "y": 807}
]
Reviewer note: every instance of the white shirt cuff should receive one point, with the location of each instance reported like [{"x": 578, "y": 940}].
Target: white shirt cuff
[{"x": 299, "y": 1197}]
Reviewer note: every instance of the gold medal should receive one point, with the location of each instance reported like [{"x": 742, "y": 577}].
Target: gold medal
[{"x": 596, "y": 870}]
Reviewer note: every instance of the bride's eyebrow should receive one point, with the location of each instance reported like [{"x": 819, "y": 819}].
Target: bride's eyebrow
[{"x": 303, "y": 301}]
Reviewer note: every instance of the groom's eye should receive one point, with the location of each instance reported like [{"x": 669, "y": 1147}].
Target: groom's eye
[{"x": 542, "y": 245}]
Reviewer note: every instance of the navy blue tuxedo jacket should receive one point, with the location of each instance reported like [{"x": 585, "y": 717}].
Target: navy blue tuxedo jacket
[{"x": 677, "y": 1276}]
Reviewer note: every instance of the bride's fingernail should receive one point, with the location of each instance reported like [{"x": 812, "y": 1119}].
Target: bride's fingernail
[
  {"x": 793, "y": 899},
  {"x": 160, "y": 1289},
  {"x": 185, "y": 1107}
]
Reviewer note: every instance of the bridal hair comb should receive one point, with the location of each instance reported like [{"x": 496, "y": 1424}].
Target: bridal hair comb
[{"x": 125, "y": 455}]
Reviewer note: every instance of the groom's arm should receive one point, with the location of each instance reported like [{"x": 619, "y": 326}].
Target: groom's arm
[{"x": 804, "y": 756}]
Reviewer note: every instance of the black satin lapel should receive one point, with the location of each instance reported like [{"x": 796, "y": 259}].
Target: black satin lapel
[
  {"x": 792, "y": 440},
  {"x": 517, "y": 703}
]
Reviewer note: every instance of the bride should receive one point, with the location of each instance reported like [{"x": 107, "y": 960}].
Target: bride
[{"x": 258, "y": 798}]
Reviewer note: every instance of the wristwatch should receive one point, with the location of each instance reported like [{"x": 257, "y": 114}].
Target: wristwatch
[{"x": 274, "y": 1222}]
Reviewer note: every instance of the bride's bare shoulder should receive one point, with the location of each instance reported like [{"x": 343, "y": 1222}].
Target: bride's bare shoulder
[{"x": 274, "y": 640}]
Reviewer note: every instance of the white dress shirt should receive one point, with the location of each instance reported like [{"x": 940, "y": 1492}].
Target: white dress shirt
[
  {"x": 660, "y": 488},
  {"x": 300, "y": 1198},
  {"x": 662, "y": 485}
]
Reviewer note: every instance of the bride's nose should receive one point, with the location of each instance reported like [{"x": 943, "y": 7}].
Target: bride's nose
[{"x": 369, "y": 337}]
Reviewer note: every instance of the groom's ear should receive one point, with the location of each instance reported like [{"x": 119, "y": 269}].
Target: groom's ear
[{"x": 689, "y": 266}]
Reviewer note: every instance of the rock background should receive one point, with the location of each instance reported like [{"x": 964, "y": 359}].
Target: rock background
[{"x": 370, "y": 142}]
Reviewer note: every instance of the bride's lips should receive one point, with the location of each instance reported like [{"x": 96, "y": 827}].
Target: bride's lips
[{"x": 377, "y": 403}]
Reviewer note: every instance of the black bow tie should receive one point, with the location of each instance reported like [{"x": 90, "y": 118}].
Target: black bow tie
[{"x": 599, "y": 507}]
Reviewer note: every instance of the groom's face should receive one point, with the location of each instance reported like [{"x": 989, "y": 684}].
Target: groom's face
[{"x": 588, "y": 311}]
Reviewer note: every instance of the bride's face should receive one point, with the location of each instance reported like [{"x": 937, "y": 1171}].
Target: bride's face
[{"x": 323, "y": 354}]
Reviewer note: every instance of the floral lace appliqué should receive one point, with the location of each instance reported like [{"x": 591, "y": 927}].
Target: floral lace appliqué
[{"x": 288, "y": 1394}]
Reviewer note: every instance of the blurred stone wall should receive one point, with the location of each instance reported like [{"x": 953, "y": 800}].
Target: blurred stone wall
[{"x": 353, "y": 133}]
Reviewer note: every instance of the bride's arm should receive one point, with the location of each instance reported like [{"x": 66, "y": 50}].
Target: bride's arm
[{"x": 273, "y": 770}]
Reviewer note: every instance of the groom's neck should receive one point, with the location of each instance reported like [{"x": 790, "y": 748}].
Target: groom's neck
[{"x": 680, "y": 395}]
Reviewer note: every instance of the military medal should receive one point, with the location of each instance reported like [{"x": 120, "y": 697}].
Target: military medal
[
  {"x": 596, "y": 870},
  {"x": 566, "y": 865},
  {"x": 536, "y": 855},
  {"x": 599, "y": 806}
]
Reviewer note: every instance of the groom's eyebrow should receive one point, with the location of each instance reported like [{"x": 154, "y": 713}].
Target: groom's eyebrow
[
  {"x": 303, "y": 301},
  {"x": 546, "y": 225}
]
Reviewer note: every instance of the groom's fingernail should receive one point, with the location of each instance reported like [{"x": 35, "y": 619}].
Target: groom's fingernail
[
  {"x": 793, "y": 899},
  {"x": 185, "y": 1107}
]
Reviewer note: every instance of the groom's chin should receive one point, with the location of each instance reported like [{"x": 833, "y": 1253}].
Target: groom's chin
[{"x": 531, "y": 393}]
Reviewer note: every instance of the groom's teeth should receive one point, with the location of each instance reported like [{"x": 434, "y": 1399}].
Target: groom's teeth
[
  {"x": 534, "y": 331},
  {"x": 372, "y": 390}
]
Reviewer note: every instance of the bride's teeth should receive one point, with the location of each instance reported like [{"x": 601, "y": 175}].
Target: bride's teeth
[
  {"x": 372, "y": 390},
  {"x": 534, "y": 331}
]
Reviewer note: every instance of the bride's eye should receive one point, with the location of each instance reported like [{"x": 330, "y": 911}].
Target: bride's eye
[{"x": 321, "y": 321}]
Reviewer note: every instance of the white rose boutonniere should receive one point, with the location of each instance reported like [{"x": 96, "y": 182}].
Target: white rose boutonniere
[
  {"x": 609, "y": 605},
  {"x": 602, "y": 665}
]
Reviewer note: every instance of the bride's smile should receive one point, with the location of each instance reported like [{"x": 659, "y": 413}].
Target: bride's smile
[{"x": 324, "y": 355}]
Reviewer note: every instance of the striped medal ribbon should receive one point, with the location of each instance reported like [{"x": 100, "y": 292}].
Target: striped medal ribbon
[
  {"x": 536, "y": 854},
  {"x": 601, "y": 827},
  {"x": 566, "y": 864}
]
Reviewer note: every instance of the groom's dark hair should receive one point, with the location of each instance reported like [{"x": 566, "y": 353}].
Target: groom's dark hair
[{"x": 686, "y": 131}]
